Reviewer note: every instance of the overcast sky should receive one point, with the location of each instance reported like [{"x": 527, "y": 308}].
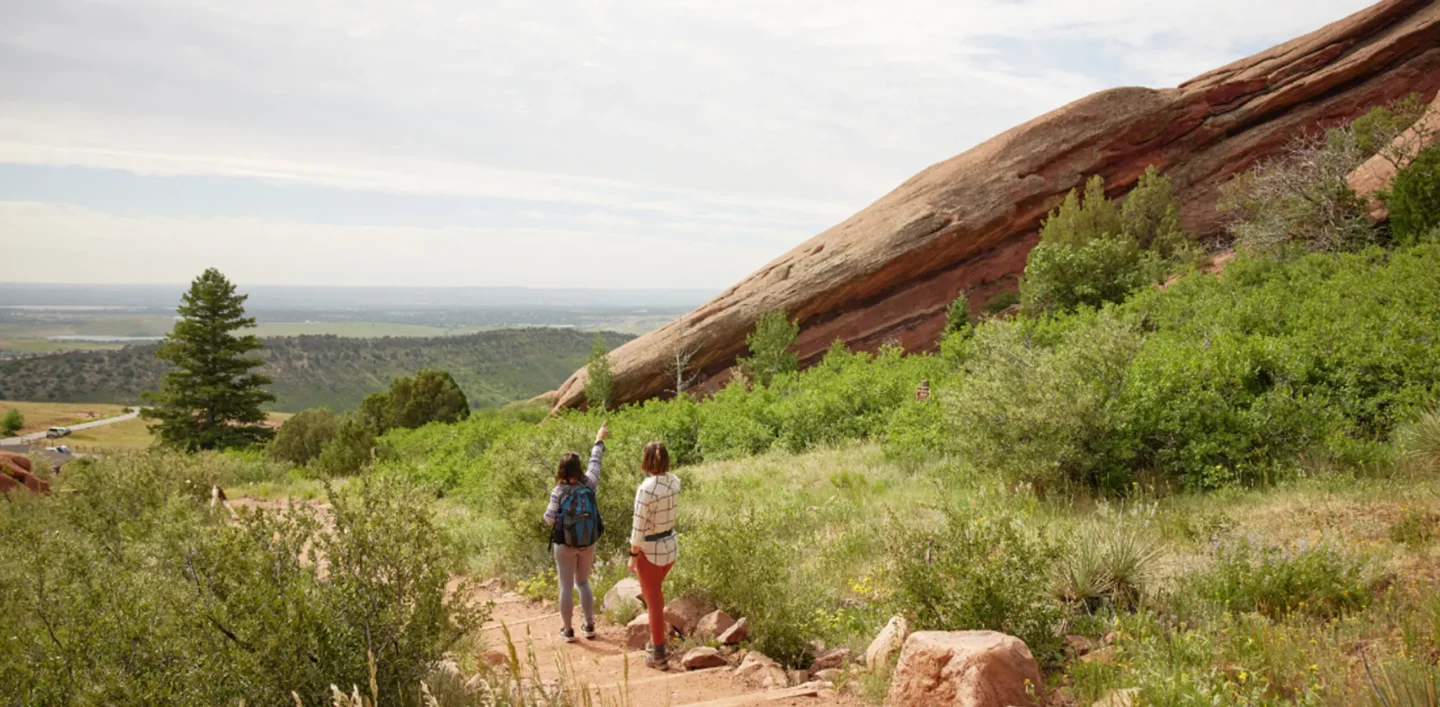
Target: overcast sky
[{"x": 543, "y": 143}]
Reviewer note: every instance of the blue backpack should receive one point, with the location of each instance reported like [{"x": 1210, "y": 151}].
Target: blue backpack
[{"x": 579, "y": 524}]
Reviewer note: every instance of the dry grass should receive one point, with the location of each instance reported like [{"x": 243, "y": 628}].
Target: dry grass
[{"x": 42, "y": 416}]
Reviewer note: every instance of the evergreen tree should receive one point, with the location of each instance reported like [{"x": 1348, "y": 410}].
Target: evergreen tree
[
  {"x": 212, "y": 399},
  {"x": 769, "y": 348},
  {"x": 957, "y": 316},
  {"x": 600, "y": 382}
]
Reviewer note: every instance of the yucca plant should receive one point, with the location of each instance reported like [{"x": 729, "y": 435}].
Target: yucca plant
[
  {"x": 1106, "y": 564},
  {"x": 1419, "y": 442}
]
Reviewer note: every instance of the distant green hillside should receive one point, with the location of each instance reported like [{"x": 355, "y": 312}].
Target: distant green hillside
[{"x": 494, "y": 367}]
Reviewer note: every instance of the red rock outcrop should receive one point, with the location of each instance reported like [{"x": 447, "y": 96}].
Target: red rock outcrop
[
  {"x": 1376, "y": 173},
  {"x": 967, "y": 224}
]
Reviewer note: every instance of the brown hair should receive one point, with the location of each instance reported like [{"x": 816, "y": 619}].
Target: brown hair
[
  {"x": 655, "y": 461},
  {"x": 569, "y": 471}
]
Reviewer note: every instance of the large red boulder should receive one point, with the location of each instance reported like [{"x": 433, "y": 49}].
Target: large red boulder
[
  {"x": 968, "y": 223},
  {"x": 966, "y": 669}
]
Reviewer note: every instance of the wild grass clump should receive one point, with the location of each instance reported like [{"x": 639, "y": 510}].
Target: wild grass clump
[
  {"x": 1419, "y": 442},
  {"x": 1277, "y": 581},
  {"x": 1416, "y": 528},
  {"x": 1107, "y": 565}
]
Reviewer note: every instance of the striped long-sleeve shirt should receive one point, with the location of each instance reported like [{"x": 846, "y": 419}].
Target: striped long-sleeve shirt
[
  {"x": 592, "y": 479},
  {"x": 657, "y": 502}
]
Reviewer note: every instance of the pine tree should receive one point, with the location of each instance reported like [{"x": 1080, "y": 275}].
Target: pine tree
[
  {"x": 769, "y": 345},
  {"x": 212, "y": 399}
]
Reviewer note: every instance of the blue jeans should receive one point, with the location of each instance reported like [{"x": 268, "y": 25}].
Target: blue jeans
[{"x": 572, "y": 566}]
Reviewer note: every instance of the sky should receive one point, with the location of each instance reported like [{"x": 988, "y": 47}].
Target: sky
[{"x": 533, "y": 143}]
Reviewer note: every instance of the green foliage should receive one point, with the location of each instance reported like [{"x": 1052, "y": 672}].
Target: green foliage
[
  {"x": 1060, "y": 277},
  {"x": 1091, "y": 253},
  {"x": 600, "y": 381},
  {"x": 303, "y": 436},
  {"x": 1375, "y": 130},
  {"x": 348, "y": 451},
  {"x": 1047, "y": 415},
  {"x": 431, "y": 396},
  {"x": 11, "y": 422},
  {"x": 1414, "y": 198},
  {"x": 1317, "y": 580},
  {"x": 212, "y": 400},
  {"x": 978, "y": 571},
  {"x": 126, "y": 588},
  {"x": 1077, "y": 221},
  {"x": 1416, "y": 528},
  {"x": 492, "y": 367},
  {"x": 769, "y": 346},
  {"x": 957, "y": 316}
]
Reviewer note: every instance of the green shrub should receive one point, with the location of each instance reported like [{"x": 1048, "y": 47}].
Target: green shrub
[
  {"x": 1060, "y": 277},
  {"x": 1414, "y": 198},
  {"x": 1150, "y": 215},
  {"x": 599, "y": 380},
  {"x": 1046, "y": 415},
  {"x": 769, "y": 346},
  {"x": 349, "y": 450},
  {"x": 124, "y": 587},
  {"x": 957, "y": 316},
  {"x": 302, "y": 437},
  {"x": 978, "y": 571},
  {"x": 1079, "y": 220},
  {"x": 1416, "y": 528},
  {"x": 11, "y": 422},
  {"x": 1316, "y": 580}
]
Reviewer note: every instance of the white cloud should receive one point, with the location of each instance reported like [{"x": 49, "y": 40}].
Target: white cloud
[{"x": 781, "y": 117}]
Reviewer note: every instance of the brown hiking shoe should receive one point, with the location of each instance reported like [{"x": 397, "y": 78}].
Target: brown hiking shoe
[{"x": 655, "y": 658}]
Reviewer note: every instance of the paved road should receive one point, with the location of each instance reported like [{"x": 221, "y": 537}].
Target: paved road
[{"x": 82, "y": 426}]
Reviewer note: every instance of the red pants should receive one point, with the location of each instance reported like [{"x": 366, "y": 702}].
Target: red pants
[{"x": 652, "y": 576}]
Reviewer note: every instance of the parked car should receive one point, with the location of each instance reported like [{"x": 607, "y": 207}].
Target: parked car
[{"x": 55, "y": 432}]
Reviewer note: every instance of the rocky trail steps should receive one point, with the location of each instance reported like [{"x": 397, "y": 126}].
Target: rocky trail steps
[{"x": 611, "y": 674}]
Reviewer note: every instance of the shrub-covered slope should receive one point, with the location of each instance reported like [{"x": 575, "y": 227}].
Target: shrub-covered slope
[{"x": 492, "y": 367}]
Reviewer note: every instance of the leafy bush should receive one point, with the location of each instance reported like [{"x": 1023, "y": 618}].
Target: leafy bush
[
  {"x": 1317, "y": 580},
  {"x": 769, "y": 346},
  {"x": 1059, "y": 277},
  {"x": 1150, "y": 215},
  {"x": 1416, "y": 528},
  {"x": 957, "y": 316},
  {"x": 1414, "y": 198},
  {"x": 430, "y": 396},
  {"x": 125, "y": 588},
  {"x": 303, "y": 436},
  {"x": 1046, "y": 415},
  {"x": 978, "y": 572},
  {"x": 349, "y": 450},
  {"x": 11, "y": 422}
]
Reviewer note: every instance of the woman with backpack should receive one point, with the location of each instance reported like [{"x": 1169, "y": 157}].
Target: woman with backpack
[
  {"x": 653, "y": 547},
  {"x": 574, "y": 517}
]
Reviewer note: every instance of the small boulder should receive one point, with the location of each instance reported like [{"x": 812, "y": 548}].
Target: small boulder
[
  {"x": 713, "y": 624},
  {"x": 627, "y": 589},
  {"x": 637, "y": 632},
  {"x": 832, "y": 659},
  {"x": 738, "y": 633},
  {"x": 829, "y": 675},
  {"x": 684, "y": 614},
  {"x": 1077, "y": 646},
  {"x": 887, "y": 642},
  {"x": 495, "y": 656},
  {"x": 761, "y": 672},
  {"x": 702, "y": 658},
  {"x": 966, "y": 669},
  {"x": 1103, "y": 656}
]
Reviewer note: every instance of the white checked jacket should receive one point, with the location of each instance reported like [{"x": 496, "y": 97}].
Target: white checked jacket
[{"x": 657, "y": 503}]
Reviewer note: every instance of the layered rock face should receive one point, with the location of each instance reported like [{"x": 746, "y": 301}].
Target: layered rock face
[{"x": 967, "y": 224}]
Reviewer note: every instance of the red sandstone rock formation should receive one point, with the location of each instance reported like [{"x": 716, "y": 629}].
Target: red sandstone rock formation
[
  {"x": 1376, "y": 173},
  {"x": 967, "y": 224}
]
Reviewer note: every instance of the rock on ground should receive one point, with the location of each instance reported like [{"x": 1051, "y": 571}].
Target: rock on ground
[
  {"x": 832, "y": 659},
  {"x": 761, "y": 672},
  {"x": 966, "y": 224},
  {"x": 627, "y": 589},
  {"x": 713, "y": 624},
  {"x": 701, "y": 658},
  {"x": 637, "y": 632},
  {"x": 966, "y": 669},
  {"x": 1118, "y": 698},
  {"x": 887, "y": 642},
  {"x": 684, "y": 614},
  {"x": 736, "y": 634}
]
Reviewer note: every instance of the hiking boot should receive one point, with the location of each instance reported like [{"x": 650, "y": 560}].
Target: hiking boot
[
  {"x": 656, "y": 658},
  {"x": 568, "y": 635},
  {"x": 588, "y": 630}
]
